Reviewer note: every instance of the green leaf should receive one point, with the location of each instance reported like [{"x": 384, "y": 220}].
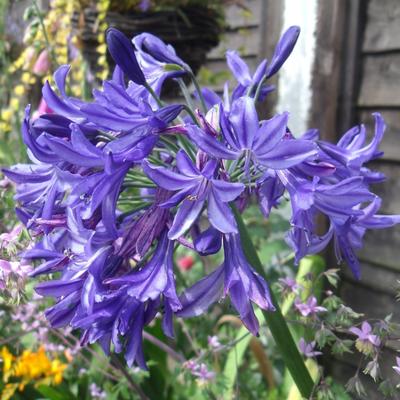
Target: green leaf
[
  {"x": 172, "y": 67},
  {"x": 276, "y": 322},
  {"x": 53, "y": 394},
  {"x": 235, "y": 357}
]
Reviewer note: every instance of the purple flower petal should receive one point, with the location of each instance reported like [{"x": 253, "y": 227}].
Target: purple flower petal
[
  {"x": 244, "y": 120},
  {"x": 220, "y": 215},
  {"x": 210, "y": 144},
  {"x": 288, "y": 153},
  {"x": 283, "y": 49},
  {"x": 165, "y": 178},
  {"x": 187, "y": 213},
  {"x": 198, "y": 298},
  {"x": 123, "y": 54}
]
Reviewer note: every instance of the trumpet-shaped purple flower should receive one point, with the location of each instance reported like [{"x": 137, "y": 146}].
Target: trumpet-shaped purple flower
[
  {"x": 283, "y": 49},
  {"x": 122, "y": 52},
  {"x": 248, "y": 84},
  {"x": 259, "y": 143},
  {"x": 351, "y": 150},
  {"x": 193, "y": 188},
  {"x": 158, "y": 60},
  {"x": 242, "y": 74},
  {"x": 235, "y": 277},
  {"x": 155, "y": 278},
  {"x": 208, "y": 242}
]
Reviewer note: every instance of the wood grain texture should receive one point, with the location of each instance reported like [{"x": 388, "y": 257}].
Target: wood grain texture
[
  {"x": 380, "y": 84},
  {"x": 382, "y": 247},
  {"x": 377, "y": 306},
  {"x": 342, "y": 371},
  {"x": 375, "y": 278},
  {"x": 327, "y": 67},
  {"x": 383, "y": 27},
  {"x": 390, "y": 144},
  {"x": 390, "y": 189},
  {"x": 343, "y": 368}
]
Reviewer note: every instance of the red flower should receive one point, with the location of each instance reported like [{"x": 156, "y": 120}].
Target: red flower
[{"x": 185, "y": 263}]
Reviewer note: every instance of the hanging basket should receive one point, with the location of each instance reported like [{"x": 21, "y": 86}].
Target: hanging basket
[{"x": 192, "y": 31}]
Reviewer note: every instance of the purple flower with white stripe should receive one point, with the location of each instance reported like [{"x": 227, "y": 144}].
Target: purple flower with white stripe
[
  {"x": 244, "y": 137},
  {"x": 194, "y": 186}
]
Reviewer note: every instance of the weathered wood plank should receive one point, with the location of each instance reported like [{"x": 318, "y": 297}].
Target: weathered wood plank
[
  {"x": 342, "y": 371},
  {"x": 382, "y": 247},
  {"x": 343, "y": 368},
  {"x": 237, "y": 17},
  {"x": 377, "y": 306},
  {"x": 382, "y": 32},
  {"x": 390, "y": 189},
  {"x": 246, "y": 41},
  {"x": 376, "y": 278},
  {"x": 327, "y": 68},
  {"x": 380, "y": 85},
  {"x": 391, "y": 142}
]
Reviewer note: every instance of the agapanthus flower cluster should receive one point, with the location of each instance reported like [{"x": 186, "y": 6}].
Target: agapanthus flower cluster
[{"x": 116, "y": 184}]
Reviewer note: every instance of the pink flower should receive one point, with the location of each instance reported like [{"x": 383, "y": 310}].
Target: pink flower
[
  {"x": 42, "y": 64},
  {"x": 310, "y": 307},
  {"x": 42, "y": 109},
  {"x": 289, "y": 284},
  {"x": 214, "y": 342},
  {"x": 308, "y": 349},
  {"x": 204, "y": 374},
  {"x": 191, "y": 365},
  {"x": 365, "y": 334},
  {"x": 14, "y": 268},
  {"x": 9, "y": 237},
  {"x": 5, "y": 183}
]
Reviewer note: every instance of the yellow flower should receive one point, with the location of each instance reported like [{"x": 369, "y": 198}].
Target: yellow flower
[
  {"x": 32, "y": 367},
  {"x": 26, "y": 78},
  {"x": 7, "y": 359},
  {"x": 102, "y": 48},
  {"x": 6, "y": 114},
  {"x": 19, "y": 90},
  {"x": 14, "y": 104},
  {"x": 57, "y": 370}
]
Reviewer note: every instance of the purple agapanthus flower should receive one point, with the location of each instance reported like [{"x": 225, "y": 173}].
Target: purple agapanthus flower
[
  {"x": 251, "y": 84},
  {"x": 193, "y": 188},
  {"x": 235, "y": 277},
  {"x": 256, "y": 143},
  {"x": 114, "y": 185},
  {"x": 155, "y": 278}
]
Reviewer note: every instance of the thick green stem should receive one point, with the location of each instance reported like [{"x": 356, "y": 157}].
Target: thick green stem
[{"x": 276, "y": 322}]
